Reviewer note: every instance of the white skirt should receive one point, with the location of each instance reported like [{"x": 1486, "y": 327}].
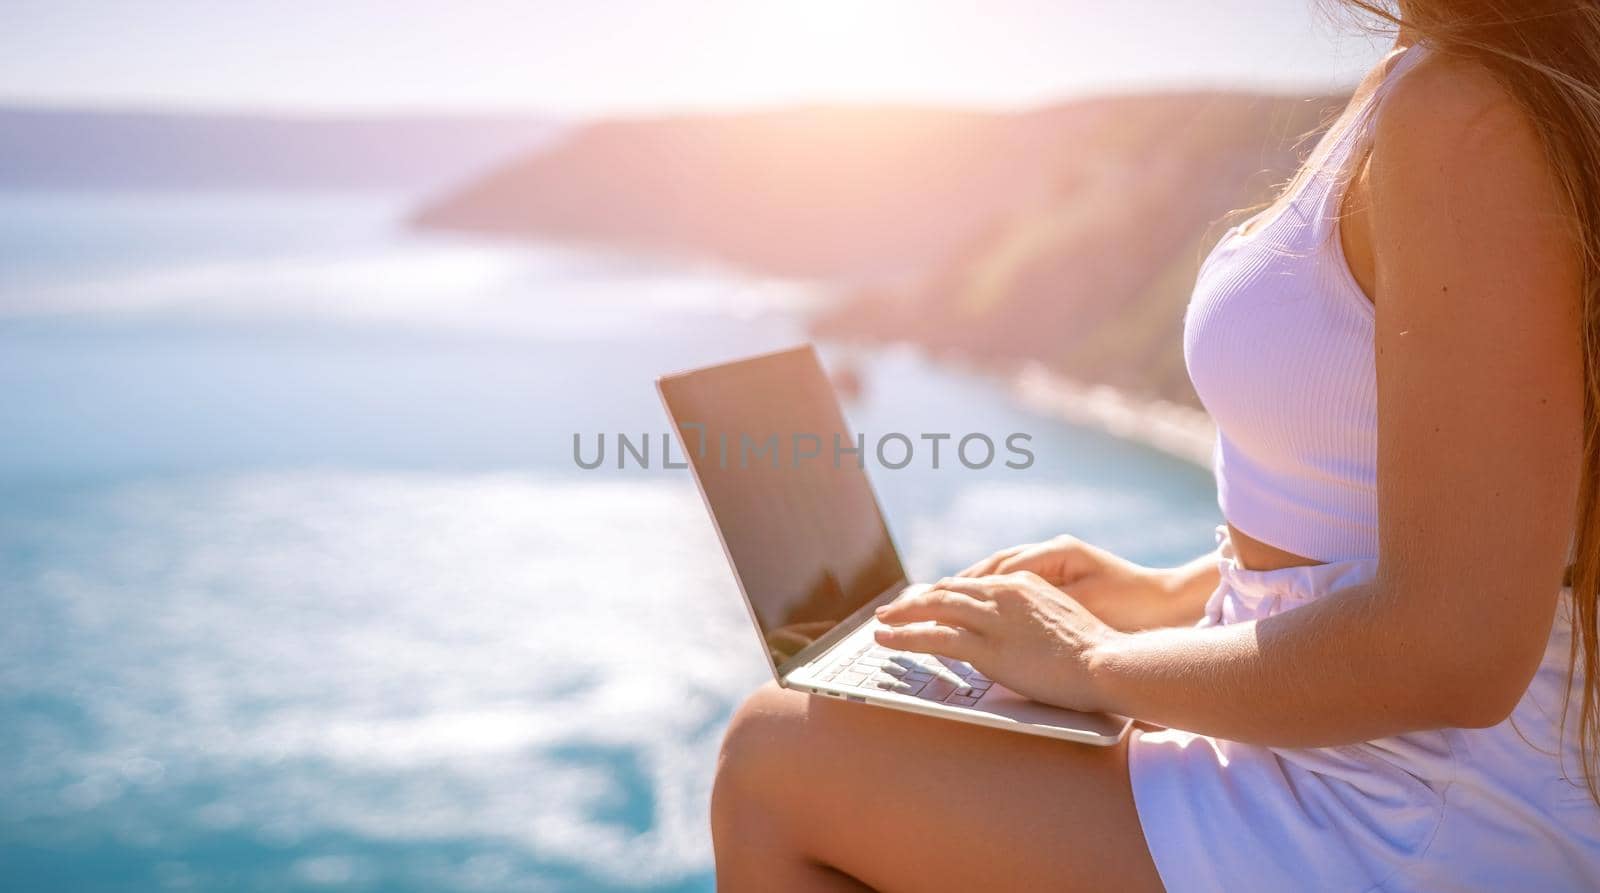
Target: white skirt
[{"x": 1503, "y": 808}]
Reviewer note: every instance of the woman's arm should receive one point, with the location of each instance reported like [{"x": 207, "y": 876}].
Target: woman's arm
[
  {"x": 1480, "y": 414},
  {"x": 1184, "y": 591}
]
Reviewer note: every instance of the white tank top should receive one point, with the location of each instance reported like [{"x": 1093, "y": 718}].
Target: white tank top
[{"x": 1278, "y": 340}]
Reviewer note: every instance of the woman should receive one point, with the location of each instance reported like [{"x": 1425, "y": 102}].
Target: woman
[{"x": 1372, "y": 672}]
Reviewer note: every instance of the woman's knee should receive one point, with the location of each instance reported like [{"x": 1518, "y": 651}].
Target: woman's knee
[
  {"x": 761, "y": 729},
  {"x": 758, "y": 751},
  {"x": 765, "y": 805}
]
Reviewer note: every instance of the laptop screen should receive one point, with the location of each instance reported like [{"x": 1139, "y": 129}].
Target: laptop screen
[{"x": 786, "y": 488}]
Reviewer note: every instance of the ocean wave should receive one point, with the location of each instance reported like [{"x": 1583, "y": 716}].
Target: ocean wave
[
  {"x": 380, "y": 658},
  {"x": 440, "y": 284}
]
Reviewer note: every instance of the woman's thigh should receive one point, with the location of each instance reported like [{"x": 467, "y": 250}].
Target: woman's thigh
[{"x": 907, "y": 802}]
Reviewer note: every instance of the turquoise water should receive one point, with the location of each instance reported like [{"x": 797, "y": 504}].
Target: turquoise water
[{"x": 303, "y": 590}]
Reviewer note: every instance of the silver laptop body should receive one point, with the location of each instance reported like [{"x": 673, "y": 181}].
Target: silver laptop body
[{"x": 803, "y": 532}]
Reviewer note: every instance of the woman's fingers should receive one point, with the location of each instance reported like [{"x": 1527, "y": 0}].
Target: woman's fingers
[
  {"x": 961, "y": 644},
  {"x": 940, "y": 605},
  {"x": 987, "y": 566},
  {"x": 978, "y": 589},
  {"x": 1033, "y": 558}
]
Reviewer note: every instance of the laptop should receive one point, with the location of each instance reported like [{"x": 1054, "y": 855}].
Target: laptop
[{"x": 786, "y": 486}]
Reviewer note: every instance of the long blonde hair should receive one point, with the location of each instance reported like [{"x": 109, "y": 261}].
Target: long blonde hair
[{"x": 1546, "y": 53}]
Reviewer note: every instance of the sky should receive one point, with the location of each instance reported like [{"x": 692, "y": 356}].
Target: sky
[{"x": 565, "y": 57}]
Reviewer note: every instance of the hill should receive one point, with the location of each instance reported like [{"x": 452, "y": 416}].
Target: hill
[
  {"x": 1068, "y": 234},
  {"x": 814, "y": 192}
]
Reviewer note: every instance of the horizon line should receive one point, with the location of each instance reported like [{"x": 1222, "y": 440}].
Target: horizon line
[{"x": 1309, "y": 89}]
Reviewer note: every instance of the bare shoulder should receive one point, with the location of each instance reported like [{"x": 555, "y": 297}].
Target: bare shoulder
[
  {"x": 1449, "y": 129},
  {"x": 1452, "y": 92},
  {"x": 1468, "y": 213}
]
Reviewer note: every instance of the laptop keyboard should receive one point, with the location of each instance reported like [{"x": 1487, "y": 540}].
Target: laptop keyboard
[{"x": 917, "y": 675}]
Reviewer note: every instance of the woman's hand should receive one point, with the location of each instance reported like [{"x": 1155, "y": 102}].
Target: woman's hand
[
  {"x": 1125, "y": 595},
  {"x": 1016, "y": 628}
]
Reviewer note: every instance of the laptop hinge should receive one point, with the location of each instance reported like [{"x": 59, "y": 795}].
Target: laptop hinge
[{"x": 840, "y": 630}]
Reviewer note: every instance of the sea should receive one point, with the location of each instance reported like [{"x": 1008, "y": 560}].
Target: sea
[{"x": 301, "y": 587}]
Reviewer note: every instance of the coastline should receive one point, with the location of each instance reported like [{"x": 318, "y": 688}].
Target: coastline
[{"x": 1180, "y": 431}]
